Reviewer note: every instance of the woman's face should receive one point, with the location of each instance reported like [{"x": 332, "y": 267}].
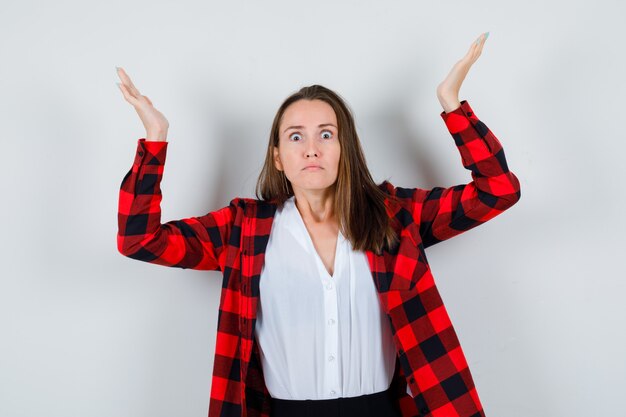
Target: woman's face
[{"x": 309, "y": 147}]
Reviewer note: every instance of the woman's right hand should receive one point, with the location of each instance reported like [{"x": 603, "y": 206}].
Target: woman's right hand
[{"x": 153, "y": 120}]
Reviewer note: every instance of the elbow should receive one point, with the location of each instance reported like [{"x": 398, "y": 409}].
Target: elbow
[
  {"x": 123, "y": 247},
  {"x": 517, "y": 189},
  {"x": 141, "y": 248},
  {"x": 120, "y": 248},
  {"x": 511, "y": 200},
  {"x": 515, "y": 192},
  {"x": 517, "y": 196}
]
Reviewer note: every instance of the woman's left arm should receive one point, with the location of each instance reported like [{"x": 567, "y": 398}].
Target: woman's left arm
[{"x": 446, "y": 212}]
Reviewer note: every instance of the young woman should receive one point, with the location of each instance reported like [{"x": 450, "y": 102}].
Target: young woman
[{"x": 328, "y": 304}]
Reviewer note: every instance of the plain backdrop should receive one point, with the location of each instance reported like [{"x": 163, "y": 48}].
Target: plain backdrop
[{"x": 536, "y": 294}]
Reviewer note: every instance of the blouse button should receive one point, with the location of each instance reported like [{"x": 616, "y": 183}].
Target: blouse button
[{"x": 331, "y": 321}]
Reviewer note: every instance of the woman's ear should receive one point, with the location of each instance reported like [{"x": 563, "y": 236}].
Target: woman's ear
[{"x": 277, "y": 163}]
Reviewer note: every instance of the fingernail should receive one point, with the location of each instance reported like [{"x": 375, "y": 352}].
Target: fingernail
[{"x": 486, "y": 35}]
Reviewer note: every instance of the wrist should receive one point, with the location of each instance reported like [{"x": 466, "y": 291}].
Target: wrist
[
  {"x": 449, "y": 104},
  {"x": 157, "y": 136}
]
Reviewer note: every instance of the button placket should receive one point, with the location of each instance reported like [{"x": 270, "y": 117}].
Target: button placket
[
  {"x": 331, "y": 311},
  {"x": 332, "y": 337}
]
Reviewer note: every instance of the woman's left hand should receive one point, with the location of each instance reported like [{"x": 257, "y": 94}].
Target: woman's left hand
[{"x": 448, "y": 90}]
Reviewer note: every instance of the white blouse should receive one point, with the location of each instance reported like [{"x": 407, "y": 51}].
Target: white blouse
[{"x": 319, "y": 336}]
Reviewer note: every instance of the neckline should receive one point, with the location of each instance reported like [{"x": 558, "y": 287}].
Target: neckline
[{"x": 309, "y": 241}]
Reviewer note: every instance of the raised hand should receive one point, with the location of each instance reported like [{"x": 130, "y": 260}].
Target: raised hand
[
  {"x": 153, "y": 120},
  {"x": 448, "y": 90}
]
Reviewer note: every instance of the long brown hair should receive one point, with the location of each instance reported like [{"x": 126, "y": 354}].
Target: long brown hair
[{"x": 359, "y": 202}]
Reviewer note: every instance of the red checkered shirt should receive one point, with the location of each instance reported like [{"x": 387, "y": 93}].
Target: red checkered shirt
[{"x": 233, "y": 240}]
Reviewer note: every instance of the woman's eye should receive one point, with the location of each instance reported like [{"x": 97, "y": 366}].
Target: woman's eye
[{"x": 328, "y": 134}]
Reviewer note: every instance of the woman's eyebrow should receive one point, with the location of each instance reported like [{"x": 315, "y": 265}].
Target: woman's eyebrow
[{"x": 302, "y": 127}]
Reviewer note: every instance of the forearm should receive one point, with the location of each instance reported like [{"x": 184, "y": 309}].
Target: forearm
[{"x": 139, "y": 211}]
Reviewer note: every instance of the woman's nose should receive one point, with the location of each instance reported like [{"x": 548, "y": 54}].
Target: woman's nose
[{"x": 312, "y": 149}]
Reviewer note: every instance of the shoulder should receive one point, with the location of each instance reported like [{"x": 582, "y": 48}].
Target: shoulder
[
  {"x": 387, "y": 187},
  {"x": 399, "y": 201},
  {"x": 397, "y": 192},
  {"x": 394, "y": 194},
  {"x": 252, "y": 207}
]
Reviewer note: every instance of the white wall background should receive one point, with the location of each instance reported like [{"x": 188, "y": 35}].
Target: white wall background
[{"x": 536, "y": 294}]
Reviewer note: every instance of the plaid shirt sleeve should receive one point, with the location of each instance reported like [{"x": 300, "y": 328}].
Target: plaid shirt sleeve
[
  {"x": 195, "y": 242},
  {"x": 446, "y": 212}
]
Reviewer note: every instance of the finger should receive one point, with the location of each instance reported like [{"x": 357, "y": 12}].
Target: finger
[
  {"x": 477, "y": 46},
  {"x": 127, "y": 81},
  {"x": 482, "y": 40},
  {"x": 127, "y": 95},
  {"x": 471, "y": 54},
  {"x": 473, "y": 47},
  {"x": 148, "y": 100},
  {"x": 480, "y": 46},
  {"x": 125, "y": 87}
]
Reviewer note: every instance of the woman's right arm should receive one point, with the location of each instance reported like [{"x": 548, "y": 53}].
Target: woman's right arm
[{"x": 195, "y": 242}]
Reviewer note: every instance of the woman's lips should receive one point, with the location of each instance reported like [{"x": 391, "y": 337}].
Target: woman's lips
[{"x": 313, "y": 167}]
